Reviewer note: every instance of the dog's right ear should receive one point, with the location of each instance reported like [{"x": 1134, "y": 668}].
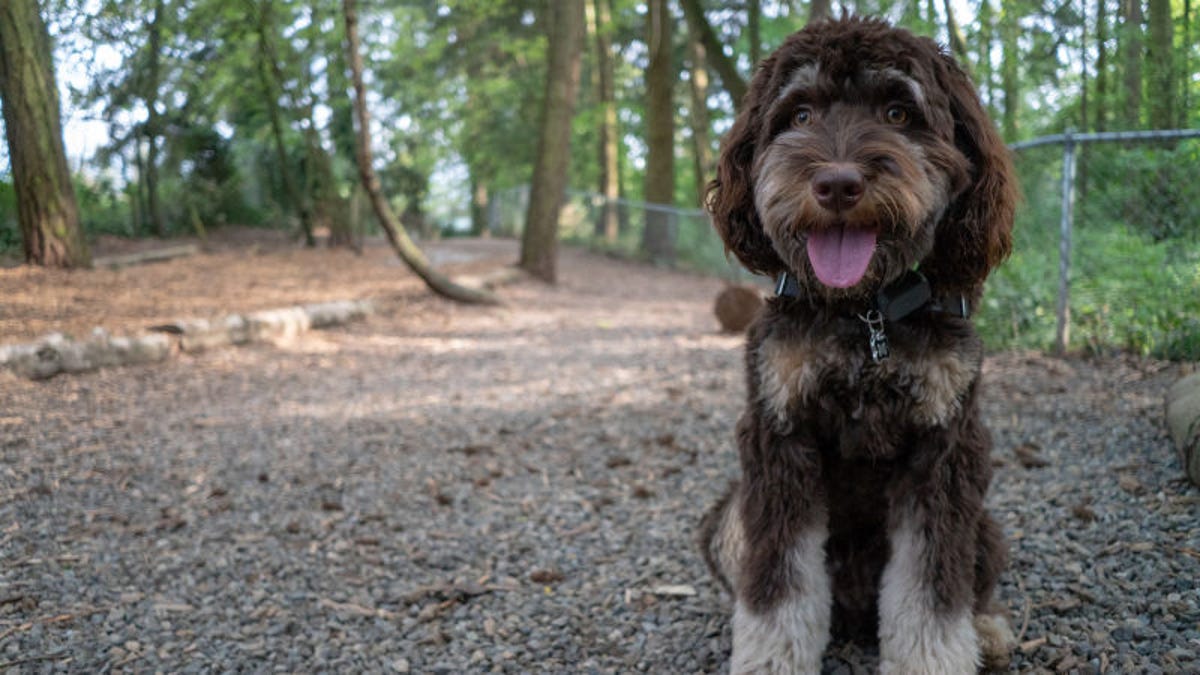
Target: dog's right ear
[{"x": 730, "y": 196}]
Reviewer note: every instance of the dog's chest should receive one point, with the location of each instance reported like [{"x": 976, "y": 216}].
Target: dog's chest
[{"x": 829, "y": 378}]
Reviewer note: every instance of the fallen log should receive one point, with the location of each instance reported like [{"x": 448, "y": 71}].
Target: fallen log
[{"x": 142, "y": 257}]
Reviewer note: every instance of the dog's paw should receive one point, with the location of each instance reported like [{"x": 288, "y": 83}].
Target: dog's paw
[{"x": 996, "y": 640}]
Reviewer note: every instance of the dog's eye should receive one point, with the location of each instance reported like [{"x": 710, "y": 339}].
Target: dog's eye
[
  {"x": 897, "y": 115},
  {"x": 804, "y": 116}
]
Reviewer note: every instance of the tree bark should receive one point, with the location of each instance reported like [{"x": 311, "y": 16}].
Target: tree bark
[
  {"x": 1009, "y": 60},
  {"x": 480, "y": 196},
  {"x": 1185, "y": 83},
  {"x": 721, "y": 62},
  {"x": 819, "y": 9},
  {"x": 986, "y": 34},
  {"x": 657, "y": 237},
  {"x": 1131, "y": 55},
  {"x": 46, "y": 209},
  {"x": 401, "y": 244},
  {"x": 153, "y": 125},
  {"x": 607, "y": 225},
  {"x": 702, "y": 153},
  {"x": 330, "y": 207},
  {"x": 754, "y": 29},
  {"x": 272, "y": 79},
  {"x": 539, "y": 242},
  {"x": 1162, "y": 66},
  {"x": 1102, "y": 92},
  {"x": 958, "y": 41}
]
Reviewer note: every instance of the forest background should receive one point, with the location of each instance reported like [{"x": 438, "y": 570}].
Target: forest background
[{"x": 186, "y": 115}]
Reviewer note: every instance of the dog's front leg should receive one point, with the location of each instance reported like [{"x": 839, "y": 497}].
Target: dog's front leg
[
  {"x": 782, "y": 588},
  {"x": 925, "y": 602}
]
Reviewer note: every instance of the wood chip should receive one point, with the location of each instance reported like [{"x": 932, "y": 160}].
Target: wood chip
[
  {"x": 1030, "y": 645},
  {"x": 1029, "y": 456},
  {"x": 674, "y": 590},
  {"x": 546, "y": 576}
]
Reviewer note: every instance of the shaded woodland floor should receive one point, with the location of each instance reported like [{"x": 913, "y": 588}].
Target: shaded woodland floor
[{"x": 454, "y": 489}]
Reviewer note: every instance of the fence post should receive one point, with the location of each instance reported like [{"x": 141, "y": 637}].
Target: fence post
[{"x": 1063, "y": 332}]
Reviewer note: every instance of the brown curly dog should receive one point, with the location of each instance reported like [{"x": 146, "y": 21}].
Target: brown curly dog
[{"x": 864, "y": 175}]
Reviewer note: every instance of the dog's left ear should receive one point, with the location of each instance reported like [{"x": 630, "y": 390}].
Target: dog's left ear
[
  {"x": 730, "y": 196},
  {"x": 976, "y": 234}
]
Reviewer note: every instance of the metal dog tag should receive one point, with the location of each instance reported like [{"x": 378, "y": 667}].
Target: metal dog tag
[{"x": 878, "y": 339}]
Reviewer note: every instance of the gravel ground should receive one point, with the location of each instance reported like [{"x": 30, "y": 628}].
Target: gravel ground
[{"x": 443, "y": 490}]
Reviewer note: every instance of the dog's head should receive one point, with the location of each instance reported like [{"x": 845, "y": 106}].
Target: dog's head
[{"x": 862, "y": 150}]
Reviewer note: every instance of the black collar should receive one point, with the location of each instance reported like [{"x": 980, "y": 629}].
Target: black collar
[{"x": 904, "y": 297}]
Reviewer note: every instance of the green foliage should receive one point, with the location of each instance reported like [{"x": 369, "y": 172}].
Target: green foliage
[{"x": 103, "y": 209}]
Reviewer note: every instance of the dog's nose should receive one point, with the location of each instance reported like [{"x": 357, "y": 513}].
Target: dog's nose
[{"x": 838, "y": 187}]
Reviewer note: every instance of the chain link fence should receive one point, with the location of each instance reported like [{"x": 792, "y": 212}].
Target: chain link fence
[
  {"x": 1106, "y": 257},
  {"x": 1107, "y": 252}
]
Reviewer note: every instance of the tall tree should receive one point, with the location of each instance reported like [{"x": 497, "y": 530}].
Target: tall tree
[
  {"x": 152, "y": 130},
  {"x": 985, "y": 73},
  {"x": 657, "y": 237},
  {"x": 46, "y": 207},
  {"x": 271, "y": 77},
  {"x": 726, "y": 67},
  {"x": 539, "y": 242},
  {"x": 1102, "y": 89},
  {"x": 819, "y": 9},
  {"x": 1010, "y": 57},
  {"x": 754, "y": 29},
  {"x": 698, "y": 118},
  {"x": 607, "y": 225},
  {"x": 401, "y": 244},
  {"x": 1161, "y": 52},
  {"x": 958, "y": 41},
  {"x": 1132, "y": 45}
]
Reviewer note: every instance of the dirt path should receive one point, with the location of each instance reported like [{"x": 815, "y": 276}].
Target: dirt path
[{"x": 450, "y": 489}]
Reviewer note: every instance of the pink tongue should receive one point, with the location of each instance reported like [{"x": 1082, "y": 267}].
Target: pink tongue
[{"x": 840, "y": 255}]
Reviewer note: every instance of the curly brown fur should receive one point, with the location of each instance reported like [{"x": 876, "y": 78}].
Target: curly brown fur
[{"x": 860, "y": 509}]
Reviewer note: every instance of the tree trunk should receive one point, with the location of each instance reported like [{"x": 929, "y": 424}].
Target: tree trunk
[
  {"x": 401, "y": 244},
  {"x": 272, "y": 78},
  {"x": 539, "y": 241},
  {"x": 1185, "y": 82},
  {"x": 725, "y": 66},
  {"x": 607, "y": 225},
  {"x": 985, "y": 70},
  {"x": 1102, "y": 92},
  {"x": 702, "y": 153},
  {"x": 819, "y": 9},
  {"x": 46, "y": 209},
  {"x": 754, "y": 29},
  {"x": 958, "y": 41},
  {"x": 1010, "y": 58},
  {"x": 480, "y": 196},
  {"x": 1162, "y": 66},
  {"x": 658, "y": 238},
  {"x": 153, "y": 125},
  {"x": 330, "y": 207},
  {"x": 1131, "y": 56}
]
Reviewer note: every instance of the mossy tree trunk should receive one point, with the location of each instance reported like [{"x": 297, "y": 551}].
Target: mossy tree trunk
[
  {"x": 539, "y": 242},
  {"x": 658, "y": 238},
  {"x": 607, "y": 225},
  {"x": 46, "y": 208}
]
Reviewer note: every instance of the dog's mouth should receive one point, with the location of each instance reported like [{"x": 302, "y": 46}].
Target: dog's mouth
[{"x": 840, "y": 254}]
